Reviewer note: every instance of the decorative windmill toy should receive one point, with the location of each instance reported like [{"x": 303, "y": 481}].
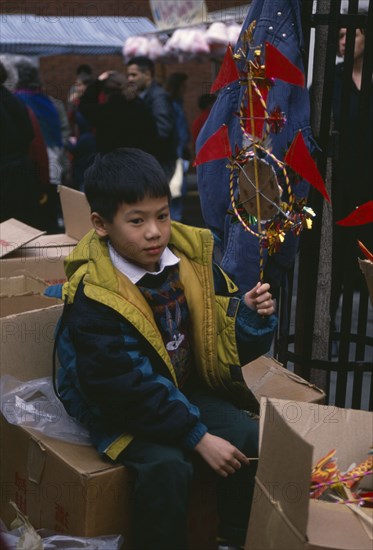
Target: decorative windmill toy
[{"x": 255, "y": 194}]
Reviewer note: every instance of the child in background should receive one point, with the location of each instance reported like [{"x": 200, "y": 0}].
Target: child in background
[{"x": 150, "y": 345}]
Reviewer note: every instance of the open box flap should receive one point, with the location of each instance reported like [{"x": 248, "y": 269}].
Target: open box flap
[
  {"x": 284, "y": 479},
  {"x": 76, "y": 212},
  {"x": 14, "y": 234},
  {"x": 266, "y": 377}
]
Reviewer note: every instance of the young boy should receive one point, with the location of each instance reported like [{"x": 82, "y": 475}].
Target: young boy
[{"x": 150, "y": 346}]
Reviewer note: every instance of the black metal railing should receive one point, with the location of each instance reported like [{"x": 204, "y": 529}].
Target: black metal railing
[{"x": 345, "y": 369}]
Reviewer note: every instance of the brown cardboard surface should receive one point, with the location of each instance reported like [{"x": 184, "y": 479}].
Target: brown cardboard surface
[
  {"x": 14, "y": 234},
  {"x": 23, "y": 293},
  {"x": 51, "y": 241},
  {"x": 50, "y": 268},
  {"x": 19, "y": 304},
  {"x": 294, "y": 436},
  {"x": 27, "y": 343},
  {"x": 62, "y": 486},
  {"x": 21, "y": 285},
  {"x": 266, "y": 377},
  {"x": 43, "y": 255}
]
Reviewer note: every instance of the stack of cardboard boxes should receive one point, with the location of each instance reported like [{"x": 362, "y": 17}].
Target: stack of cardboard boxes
[{"x": 26, "y": 250}]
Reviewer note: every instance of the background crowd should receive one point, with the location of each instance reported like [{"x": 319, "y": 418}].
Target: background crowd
[{"x": 45, "y": 142}]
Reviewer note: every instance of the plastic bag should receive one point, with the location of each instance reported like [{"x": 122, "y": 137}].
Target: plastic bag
[
  {"x": 13, "y": 541},
  {"x": 35, "y": 405},
  {"x": 25, "y": 537}
]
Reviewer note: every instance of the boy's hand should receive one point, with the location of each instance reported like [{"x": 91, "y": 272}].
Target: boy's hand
[
  {"x": 260, "y": 299},
  {"x": 222, "y": 456}
]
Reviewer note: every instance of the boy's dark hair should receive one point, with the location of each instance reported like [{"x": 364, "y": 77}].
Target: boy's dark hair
[
  {"x": 126, "y": 175},
  {"x": 143, "y": 63}
]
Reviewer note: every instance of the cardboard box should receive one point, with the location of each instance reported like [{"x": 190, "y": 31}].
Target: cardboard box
[
  {"x": 62, "y": 486},
  {"x": 294, "y": 436},
  {"x": 59, "y": 485},
  {"x": 26, "y": 250},
  {"x": 266, "y": 377},
  {"x": 23, "y": 293}
]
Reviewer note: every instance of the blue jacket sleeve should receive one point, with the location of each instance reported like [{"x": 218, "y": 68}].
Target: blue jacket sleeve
[
  {"x": 125, "y": 379},
  {"x": 254, "y": 333}
]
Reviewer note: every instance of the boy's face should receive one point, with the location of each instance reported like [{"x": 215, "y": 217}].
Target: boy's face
[{"x": 139, "y": 232}]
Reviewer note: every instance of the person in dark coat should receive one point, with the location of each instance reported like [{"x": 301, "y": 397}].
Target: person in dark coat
[
  {"x": 120, "y": 118},
  {"x": 352, "y": 168},
  {"x": 19, "y": 186},
  {"x": 140, "y": 72}
]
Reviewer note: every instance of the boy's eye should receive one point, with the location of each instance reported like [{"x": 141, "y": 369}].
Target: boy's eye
[
  {"x": 164, "y": 216},
  {"x": 136, "y": 221}
]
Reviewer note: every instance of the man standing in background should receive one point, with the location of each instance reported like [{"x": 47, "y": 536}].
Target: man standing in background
[{"x": 140, "y": 71}]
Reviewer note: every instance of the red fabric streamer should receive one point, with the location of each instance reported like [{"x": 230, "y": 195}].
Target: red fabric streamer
[
  {"x": 299, "y": 159},
  {"x": 228, "y": 72},
  {"x": 278, "y": 66},
  {"x": 216, "y": 147},
  {"x": 361, "y": 215}
]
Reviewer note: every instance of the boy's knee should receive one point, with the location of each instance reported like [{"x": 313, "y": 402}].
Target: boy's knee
[
  {"x": 175, "y": 465},
  {"x": 170, "y": 464}
]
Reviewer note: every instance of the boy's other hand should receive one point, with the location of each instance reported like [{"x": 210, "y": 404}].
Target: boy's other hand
[
  {"x": 260, "y": 299},
  {"x": 220, "y": 455}
]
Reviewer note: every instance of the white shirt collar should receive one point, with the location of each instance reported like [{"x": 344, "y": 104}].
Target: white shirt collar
[{"x": 134, "y": 272}]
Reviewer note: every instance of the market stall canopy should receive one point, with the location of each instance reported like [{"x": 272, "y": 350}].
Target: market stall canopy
[{"x": 54, "y": 35}]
